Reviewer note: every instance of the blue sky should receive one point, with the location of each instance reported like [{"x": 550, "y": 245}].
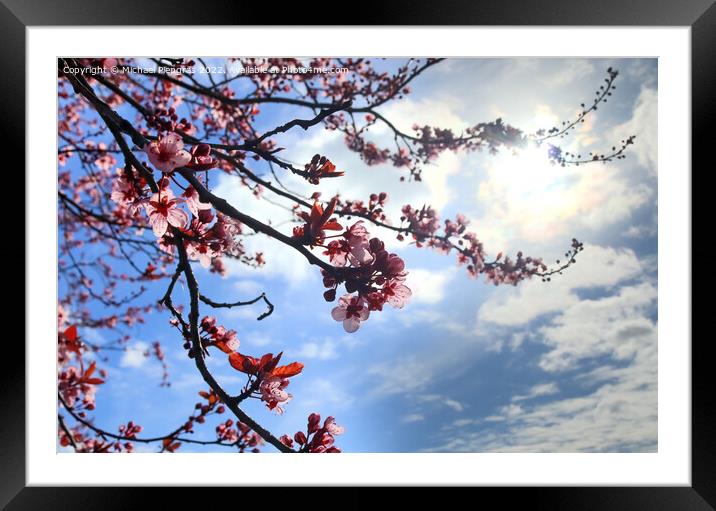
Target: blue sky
[{"x": 565, "y": 366}]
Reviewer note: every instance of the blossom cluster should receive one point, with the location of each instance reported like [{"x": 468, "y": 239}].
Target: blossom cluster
[
  {"x": 75, "y": 384},
  {"x": 266, "y": 377},
  {"x": 167, "y": 153},
  {"x": 320, "y": 167},
  {"x": 267, "y": 380},
  {"x": 207, "y": 236},
  {"x": 218, "y": 336},
  {"x": 374, "y": 209},
  {"x": 239, "y": 434},
  {"x": 317, "y": 438},
  {"x": 424, "y": 226},
  {"x": 359, "y": 262}
]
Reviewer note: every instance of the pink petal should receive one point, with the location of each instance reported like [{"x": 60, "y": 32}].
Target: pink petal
[
  {"x": 360, "y": 256},
  {"x": 173, "y": 142},
  {"x": 177, "y": 217},
  {"x": 151, "y": 149},
  {"x": 192, "y": 207},
  {"x": 180, "y": 159},
  {"x": 400, "y": 296},
  {"x": 350, "y": 325},
  {"x": 338, "y": 313},
  {"x": 159, "y": 224}
]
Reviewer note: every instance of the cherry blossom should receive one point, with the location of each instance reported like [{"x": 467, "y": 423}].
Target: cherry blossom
[
  {"x": 320, "y": 167},
  {"x": 273, "y": 393},
  {"x": 331, "y": 427},
  {"x": 317, "y": 439},
  {"x": 396, "y": 294},
  {"x": 317, "y": 222},
  {"x": 167, "y": 153},
  {"x": 163, "y": 210},
  {"x": 351, "y": 311},
  {"x": 191, "y": 198},
  {"x": 218, "y": 336},
  {"x": 201, "y": 158}
]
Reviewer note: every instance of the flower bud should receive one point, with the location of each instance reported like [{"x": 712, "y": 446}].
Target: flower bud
[{"x": 205, "y": 216}]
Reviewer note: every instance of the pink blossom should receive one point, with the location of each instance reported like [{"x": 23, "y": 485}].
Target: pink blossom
[
  {"x": 351, "y": 310},
  {"x": 273, "y": 393},
  {"x": 62, "y": 316},
  {"x": 201, "y": 158},
  {"x": 191, "y": 197},
  {"x": 360, "y": 255},
  {"x": 167, "y": 153},
  {"x": 356, "y": 234},
  {"x": 228, "y": 337},
  {"x": 163, "y": 210},
  {"x": 337, "y": 250},
  {"x": 396, "y": 294},
  {"x": 201, "y": 252},
  {"x": 331, "y": 427},
  {"x": 106, "y": 161},
  {"x": 122, "y": 191}
]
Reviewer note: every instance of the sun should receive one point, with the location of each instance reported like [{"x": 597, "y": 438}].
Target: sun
[
  {"x": 528, "y": 176},
  {"x": 527, "y": 197}
]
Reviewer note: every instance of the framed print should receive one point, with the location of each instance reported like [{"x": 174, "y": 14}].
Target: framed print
[{"x": 455, "y": 254}]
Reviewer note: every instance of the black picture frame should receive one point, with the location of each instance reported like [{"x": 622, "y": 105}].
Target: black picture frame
[{"x": 700, "y": 15}]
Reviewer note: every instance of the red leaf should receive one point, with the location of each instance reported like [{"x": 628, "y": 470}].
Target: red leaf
[
  {"x": 271, "y": 364},
  {"x": 89, "y": 370},
  {"x": 93, "y": 381},
  {"x": 243, "y": 363},
  {"x": 223, "y": 347},
  {"x": 289, "y": 370},
  {"x": 332, "y": 225},
  {"x": 265, "y": 361},
  {"x": 71, "y": 333}
]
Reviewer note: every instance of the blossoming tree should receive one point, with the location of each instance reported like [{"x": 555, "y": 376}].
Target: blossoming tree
[{"x": 136, "y": 212}]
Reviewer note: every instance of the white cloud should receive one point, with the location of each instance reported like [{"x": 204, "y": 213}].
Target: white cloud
[
  {"x": 643, "y": 124},
  {"x": 432, "y": 316},
  {"x": 527, "y": 199},
  {"x": 408, "y": 375},
  {"x": 455, "y": 405},
  {"x": 256, "y": 338},
  {"x": 615, "y": 325},
  {"x": 321, "y": 393},
  {"x": 325, "y": 350},
  {"x": 619, "y": 415},
  {"x": 511, "y": 410},
  {"x": 413, "y": 417},
  {"x": 249, "y": 288},
  {"x": 428, "y": 286},
  {"x": 542, "y": 389},
  {"x": 441, "y": 400},
  {"x": 134, "y": 355}
]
